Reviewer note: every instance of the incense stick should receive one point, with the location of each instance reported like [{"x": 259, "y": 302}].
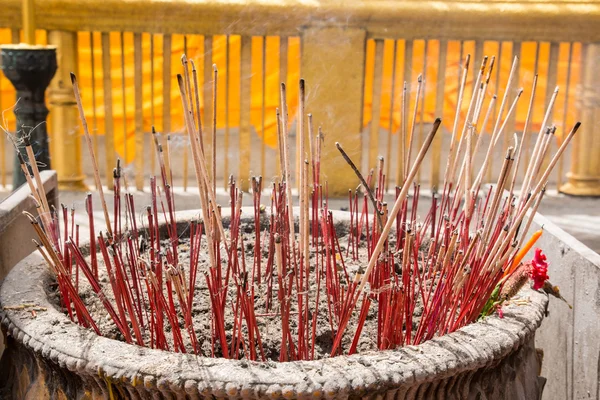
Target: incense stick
[
  {"x": 392, "y": 215},
  {"x": 400, "y": 176},
  {"x": 214, "y": 128},
  {"x": 524, "y": 135},
  {"x": 91, "y": 152},
  {"x": 414, "y": 121},
  {"x": 201, "y": 163},
  {"x": 461, "y": 91},
  {"x": 286, "y": 154},
  {"x": 364, "y": 183}
]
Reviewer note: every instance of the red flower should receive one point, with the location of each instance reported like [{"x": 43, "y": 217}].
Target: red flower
[{"x": 539, "y": 269}]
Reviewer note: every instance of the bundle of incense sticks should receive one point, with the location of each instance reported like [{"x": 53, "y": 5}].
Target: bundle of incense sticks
[{"x": 447, "y": 263}]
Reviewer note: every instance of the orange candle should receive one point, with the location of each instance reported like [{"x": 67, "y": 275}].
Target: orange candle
[{"x": 534, "y": 238}]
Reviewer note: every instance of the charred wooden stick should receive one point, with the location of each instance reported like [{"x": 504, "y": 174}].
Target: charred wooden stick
[{"x": 362, "y": 182}]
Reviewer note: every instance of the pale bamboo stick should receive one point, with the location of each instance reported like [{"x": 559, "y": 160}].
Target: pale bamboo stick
[
  {"x": 92, "y": 155},
  {"x": 461, "y": 91},
  {"x": 525, "y": 128}
]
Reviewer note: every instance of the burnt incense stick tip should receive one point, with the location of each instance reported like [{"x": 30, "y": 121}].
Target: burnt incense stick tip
[
  {"x": 215, "y": 67},
  {"x": 492, "y": 61},
  {"x": 483, "y": 63},
  {"x": 183, "y": 59},
  {"x": 420, "y": 78},
  {"x": 73, "y": 78},
  {"x": 193, "y": 65}
]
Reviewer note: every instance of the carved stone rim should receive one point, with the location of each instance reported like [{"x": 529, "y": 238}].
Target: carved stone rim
[{"x": 56, "y": 338}]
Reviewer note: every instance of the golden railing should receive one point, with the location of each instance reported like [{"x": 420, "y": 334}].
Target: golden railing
[{"x": 344, "y": 46}]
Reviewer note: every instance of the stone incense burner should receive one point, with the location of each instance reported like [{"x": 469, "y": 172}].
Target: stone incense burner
[{"x": 48, "y": 356}]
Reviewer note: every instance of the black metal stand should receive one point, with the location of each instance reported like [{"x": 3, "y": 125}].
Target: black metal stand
[{"x": 30, "y": 70}]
